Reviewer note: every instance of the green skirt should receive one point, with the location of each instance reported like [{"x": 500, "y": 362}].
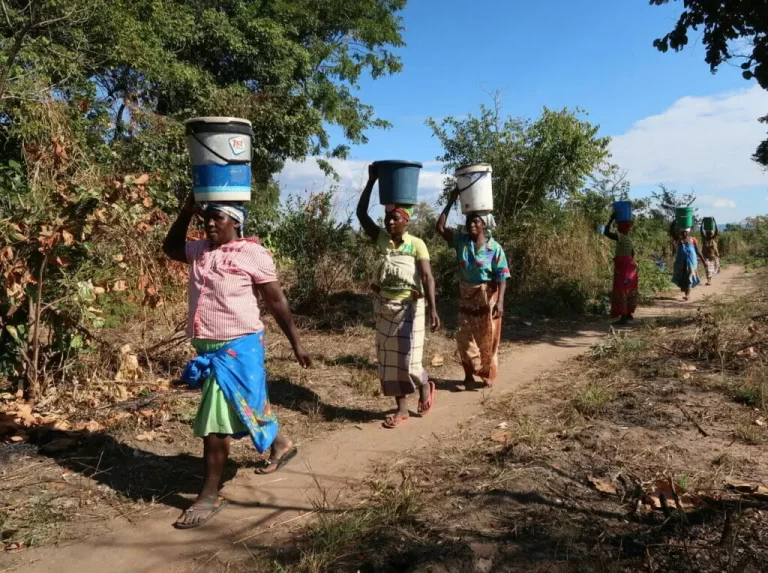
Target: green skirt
[{"x": 215, "y": 415}]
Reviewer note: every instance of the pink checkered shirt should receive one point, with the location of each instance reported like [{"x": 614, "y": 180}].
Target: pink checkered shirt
[{"x": 222, "y": 298}]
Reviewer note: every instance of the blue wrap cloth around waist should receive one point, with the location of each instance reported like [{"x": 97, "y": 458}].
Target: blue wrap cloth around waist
[{"x": 238, "y": 368}]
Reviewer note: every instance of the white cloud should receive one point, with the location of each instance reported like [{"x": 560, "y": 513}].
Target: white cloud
[
  {"x": 700, "y": 142},
  {"x": 714, "y": 201}
]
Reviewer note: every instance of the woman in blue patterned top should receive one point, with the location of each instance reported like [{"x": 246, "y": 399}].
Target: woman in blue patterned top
[{"x": 484, "y": 273}]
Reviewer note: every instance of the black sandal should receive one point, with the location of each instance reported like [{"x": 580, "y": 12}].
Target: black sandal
[
  {"x": 282, "y": 460},
  {"x": 213, "y": 509}
]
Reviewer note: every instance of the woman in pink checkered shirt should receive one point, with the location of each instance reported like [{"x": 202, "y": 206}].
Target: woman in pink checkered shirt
[{"x": 226, "y": 273}]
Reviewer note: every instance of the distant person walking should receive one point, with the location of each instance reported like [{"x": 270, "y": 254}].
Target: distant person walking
[
  {"x": 226, "y": 273},
  {"x": 626, "y": 279},
  {"x": 483, "y": 271},
  {"x": 710, "y": 252},
  {"x": 686, "y": 273},
  {"x": 403, "y": 279}
]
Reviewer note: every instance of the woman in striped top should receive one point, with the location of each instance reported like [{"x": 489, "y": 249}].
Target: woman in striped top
[
  {"x": 226, "y": 274},
  {"x": 625, "y": 276}
]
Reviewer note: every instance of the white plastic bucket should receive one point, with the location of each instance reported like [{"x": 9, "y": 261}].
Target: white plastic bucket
[
  {"x": 475, "y": 188},
  {"x": 220, "y": 150}
]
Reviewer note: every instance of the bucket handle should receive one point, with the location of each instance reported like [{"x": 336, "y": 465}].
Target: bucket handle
[
  {"x": 217, "y": 154},
  {"x": 475, "y": 181}
]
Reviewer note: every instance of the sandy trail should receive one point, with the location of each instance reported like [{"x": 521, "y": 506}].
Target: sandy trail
[{"x": 260, "y": 503}]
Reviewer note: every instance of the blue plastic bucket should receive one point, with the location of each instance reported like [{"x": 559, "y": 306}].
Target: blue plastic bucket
[
  {"x": 398, "y": 181},
  {"x": 623, "y": 211},
  {"x": 220, "y": 151}
]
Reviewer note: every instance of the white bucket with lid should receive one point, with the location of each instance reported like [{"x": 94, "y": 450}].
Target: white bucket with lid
[
  {"x": 475, "y": 187},
  {"x": 220, "y": 150}
]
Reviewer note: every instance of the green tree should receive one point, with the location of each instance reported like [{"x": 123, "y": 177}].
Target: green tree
[
  {"x": 732, "y": 30},
  {"x": 93, "y": 94},
  {"x": 534, "y": 162},
  {"x": 289, "y": 66}
]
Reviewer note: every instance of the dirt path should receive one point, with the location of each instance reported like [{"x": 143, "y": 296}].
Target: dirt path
[{"x": 261, "y": 503}]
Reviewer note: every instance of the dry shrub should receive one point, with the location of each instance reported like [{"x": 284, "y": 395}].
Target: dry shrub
[{"x": 560, "y": 265}]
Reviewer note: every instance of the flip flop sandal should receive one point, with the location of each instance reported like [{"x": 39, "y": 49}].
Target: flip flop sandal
[
  {"x": 280, "y": 462},
  {"x": 425, "y": 407},
  {"x": 392, "y": 421},
  {"x": 194, "y": 508}
]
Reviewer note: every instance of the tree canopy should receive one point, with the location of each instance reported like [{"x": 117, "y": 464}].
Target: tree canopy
[
  {"x": 731, "y": 30},
  {"x": 289, "y": 66},
  {"x": 550, "y": 158}
]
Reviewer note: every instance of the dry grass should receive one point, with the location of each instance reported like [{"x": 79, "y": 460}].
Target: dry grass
[{"x": 562, "y": 476}]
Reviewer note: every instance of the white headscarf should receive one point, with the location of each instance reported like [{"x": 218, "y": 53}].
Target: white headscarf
[{"x": 487, "y": 218}]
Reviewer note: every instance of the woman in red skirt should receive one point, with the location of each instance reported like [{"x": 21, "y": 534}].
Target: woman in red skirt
[{"x": 625, "y": 275}]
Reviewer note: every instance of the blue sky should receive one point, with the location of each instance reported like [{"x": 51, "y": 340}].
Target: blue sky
[{"x": 672, "y": 120}]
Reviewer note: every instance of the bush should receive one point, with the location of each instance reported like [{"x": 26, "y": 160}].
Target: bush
[{"x": 319, "y": 251}]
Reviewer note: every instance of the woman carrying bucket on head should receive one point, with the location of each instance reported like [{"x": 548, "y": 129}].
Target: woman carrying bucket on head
[
  {"x": 709, "y": 248},
  {"x": 224, "y": 324},
  {"x": 626, "y": 282},
  {"x": 686, "y": 271},
  {"x": 402, "y": 281},
  {"x": 483, "y": 272}
]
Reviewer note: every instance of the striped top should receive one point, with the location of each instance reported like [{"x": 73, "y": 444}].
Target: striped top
[
  {"x": 222, "y": 298},
  {"x": 624, "y": 247}
]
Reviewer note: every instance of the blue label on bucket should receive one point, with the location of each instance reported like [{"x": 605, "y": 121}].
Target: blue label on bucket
[{"x": 221, "y": 176}]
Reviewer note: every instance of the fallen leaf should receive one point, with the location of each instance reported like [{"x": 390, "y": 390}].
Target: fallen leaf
[
  {"x": 141, "y": 179},
  {"x": 501, "y": 437},
  {"x": 760, "y": 422},
  {"x": 502, "y": 426},
  {"x": 120, "y": 286},
  {"x": 118, "y": 258},
  {"x": 146, "y": 436},
  {"x": 67, "y": 237},
  {"x": 602, "y": 484},
  {"x": 437, "y": 360},
  {"x": 746, "y": 487},
  {"x": 24, "y": 414},
  {"x": 93, "y": 426},
  {"x": 6, "y": 253},
  {"x": 18, "y": 438},
  {"x": 527, "y": 323},
  {"x": 688, "y": 368},
  {"x": 99, "y": 290}
]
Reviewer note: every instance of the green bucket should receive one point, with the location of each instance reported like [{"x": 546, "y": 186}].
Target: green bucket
[
  {"x": 684, "y": 217},
  {"x": 709, "y": 224}
]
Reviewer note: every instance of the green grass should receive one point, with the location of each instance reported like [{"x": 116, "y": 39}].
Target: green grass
[
  {"x": 329, "y": 541},
  {"x": 749, "y": 395},
  {"x": 592, "y": 400},
  {"x": 751, "y": 434},
  {"x": 618, "y": 346}
]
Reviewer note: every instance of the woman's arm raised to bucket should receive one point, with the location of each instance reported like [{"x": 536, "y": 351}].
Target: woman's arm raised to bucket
[
  {"x": 442, "y": 221},
  {"x": 607, "y": 231},
  {"x": 369, "y": 225},
  {"x": 175, "y": 243}
]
